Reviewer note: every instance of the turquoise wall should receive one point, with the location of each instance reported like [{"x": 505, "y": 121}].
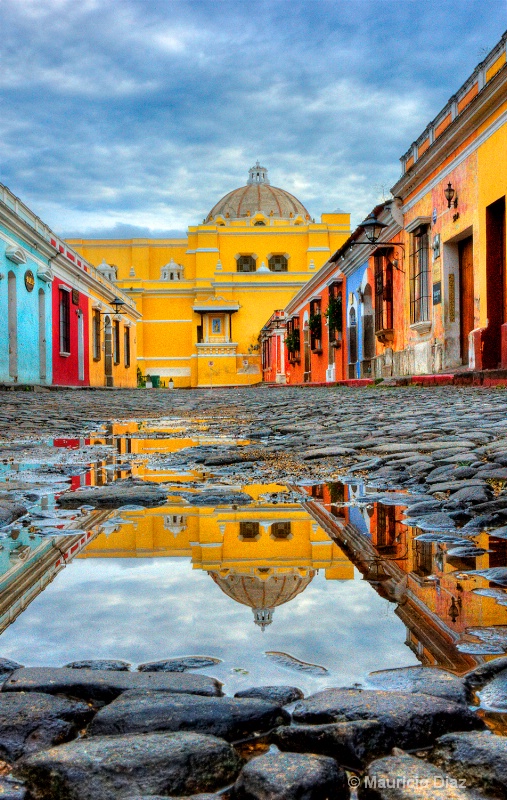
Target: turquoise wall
[{"x": 27, "y": 314}]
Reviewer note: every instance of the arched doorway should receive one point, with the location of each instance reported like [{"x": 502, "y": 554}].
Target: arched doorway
[
  {"x": 368, "y": 333},
  {"x": 108, "y": 351}
]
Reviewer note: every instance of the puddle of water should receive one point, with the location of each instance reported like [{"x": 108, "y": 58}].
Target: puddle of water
[{"x": 312, "y": 594}]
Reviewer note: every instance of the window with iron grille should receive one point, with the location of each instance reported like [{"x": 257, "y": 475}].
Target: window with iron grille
[
  {"x": 315, "y": 325},
  {"x": 383, "y": 291},
  {"x": 245, "y": 264},
  {"x": 334, "y": 311},
  {"x": 126, "y": 346},
  {"x": 292, "y": 341},
  {"x": 278, "y": 264},
  {"x": 96, "y": 335},
  {"x": 116, "y": 342},
  {"x": 64, "y": 321},
  {"x": 419, "y": 276}
]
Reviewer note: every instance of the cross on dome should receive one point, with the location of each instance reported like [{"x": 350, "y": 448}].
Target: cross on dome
[{"x": 258, "y": 174}]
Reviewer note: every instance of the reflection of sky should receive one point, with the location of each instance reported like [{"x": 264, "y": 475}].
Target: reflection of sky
[{"x": 142, "y": 610}]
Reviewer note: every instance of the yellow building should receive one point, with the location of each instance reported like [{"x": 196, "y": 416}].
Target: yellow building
[
  {"x": 205, "y": 298},
  {"x": 261, "y": 555}
]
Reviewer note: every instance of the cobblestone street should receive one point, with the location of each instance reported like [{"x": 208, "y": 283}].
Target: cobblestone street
[{"x": 365, "y": 529}]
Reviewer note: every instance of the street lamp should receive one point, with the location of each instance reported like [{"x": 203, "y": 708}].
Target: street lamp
[
  {"x": 449, "y": 193},
  {"x": 117, "y": 304},
  {"x": 373, "y": 228}
]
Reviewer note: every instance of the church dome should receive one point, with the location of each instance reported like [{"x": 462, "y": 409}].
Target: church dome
[
  {"x": 264, "y": 594},
  {"x": 258, "y": 196}
]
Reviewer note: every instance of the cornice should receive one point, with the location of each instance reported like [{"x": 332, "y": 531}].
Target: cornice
[{"x": 483, "y": 105}]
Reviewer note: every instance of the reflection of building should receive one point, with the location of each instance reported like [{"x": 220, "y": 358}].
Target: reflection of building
[
  {"x": 260, "y": 555},
  {"x": 205, "y": 297},
  {"x": 264, "y": 591},
  {"x": 436, "y": 606},
  {"x": 29, "y": 562}
]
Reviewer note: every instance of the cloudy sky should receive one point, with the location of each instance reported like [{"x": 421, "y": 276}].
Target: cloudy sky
[{"x": 133, "y": 117}]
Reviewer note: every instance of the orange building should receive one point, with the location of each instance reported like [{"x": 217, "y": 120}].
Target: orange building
[{"x": 452, "y": 199}]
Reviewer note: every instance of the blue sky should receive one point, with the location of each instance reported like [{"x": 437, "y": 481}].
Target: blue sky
[{"x": 134, "y": 117}]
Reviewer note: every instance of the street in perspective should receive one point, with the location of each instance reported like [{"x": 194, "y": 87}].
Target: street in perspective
[{"x": 253, "y": 400}]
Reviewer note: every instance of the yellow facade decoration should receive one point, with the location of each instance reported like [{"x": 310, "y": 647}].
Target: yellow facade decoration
[
  {"x": 204, "y": 299},
  {"x": 260, "y": 555}
]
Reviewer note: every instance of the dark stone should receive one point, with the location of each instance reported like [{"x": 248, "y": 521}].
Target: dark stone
[
  {"x": 328, "y": 452},
  {"x": 468, "y": 496},
  {"x": 403, "y": 777},
  {"x": 144, "y": 712},
  {"x": 89, "y": 684},
  {"x": 12, "y": 789},
  {"x": 225, "y": 460},
  {"x": 492, "y": 506},
  {"x": 109, "y": 665},
  {"x": 115, "y": 767},
  {"x": 31, "y": 722},
  {"x": 179, "y": 664},
  {"x": 216, "y": 497},
  {"x": 493, "y": 696},
  {"x": 425, "y": 680},
  {"x": 408, "y": 720},
  {"x": 479, "y": 676},
  {"x": 281, "y": 695},
  {"x": 290, "y": 776},
  {"x": 7, "y": 667},
  {"x": 437, "y": 521},
  {"x": 350, "y": 743},
  {"x": 205, "y": 796},
  {"x": 422, "y": 508},
  {"x": 9, "y": 511},
  {"x": 493, "y": 473},
  {"x": 479, "y": 757},
  {"x": 141, "y": 493}
]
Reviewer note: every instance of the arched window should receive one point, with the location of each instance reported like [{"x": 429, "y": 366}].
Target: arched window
[
  {"x": 278, "y": 264},
  {"x": 259, "y": 222},
  {"x": 246, "y": 264}
]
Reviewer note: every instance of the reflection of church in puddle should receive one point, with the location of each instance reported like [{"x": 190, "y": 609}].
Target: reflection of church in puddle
[{"x": 262, "y": 555}]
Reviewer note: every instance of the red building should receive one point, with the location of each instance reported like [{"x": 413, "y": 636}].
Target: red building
[
  {"x": 70, "y": 335},
  {"x": 315, "y": 351},
  {"x": 273, "y": 346}
]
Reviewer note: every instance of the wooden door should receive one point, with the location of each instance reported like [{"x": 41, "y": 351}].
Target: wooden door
[{"x": 466, "y": 294}]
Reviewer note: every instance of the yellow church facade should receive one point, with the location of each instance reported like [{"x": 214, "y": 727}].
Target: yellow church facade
[
  {"x": 261, "y": 555},
  {"x": 204, "y": 298}
]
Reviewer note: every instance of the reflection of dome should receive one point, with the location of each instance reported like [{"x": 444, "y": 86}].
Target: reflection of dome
[
  {"x": 264, "y": 594},
  {"x": 258, "y": 197}
]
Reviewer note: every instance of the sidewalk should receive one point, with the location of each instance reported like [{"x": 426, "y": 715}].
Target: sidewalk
[{"x": 491, "y": 377}]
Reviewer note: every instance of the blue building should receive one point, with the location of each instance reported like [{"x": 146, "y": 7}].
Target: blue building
[
  {"x": 25, "y": 295},
  {"x": 360, "y": 318}
]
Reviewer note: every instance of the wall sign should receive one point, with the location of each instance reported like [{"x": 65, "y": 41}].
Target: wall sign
[
  {"x": 434, "y": 216},
  {"x": 437, "y": 293},
  {"x": 29, "y": 280},
  {"x": 75, "y": 297}
]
